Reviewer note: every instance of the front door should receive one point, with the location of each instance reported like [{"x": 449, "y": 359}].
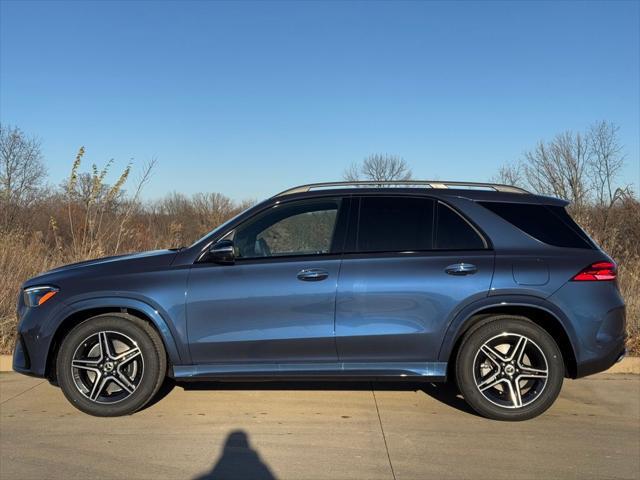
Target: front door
[
  {"x": 411, "y": 263},
  {"x": 276, "y": 304}
]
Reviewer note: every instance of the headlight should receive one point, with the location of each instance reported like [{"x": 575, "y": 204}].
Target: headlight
[{"x": 35, "y": 296}]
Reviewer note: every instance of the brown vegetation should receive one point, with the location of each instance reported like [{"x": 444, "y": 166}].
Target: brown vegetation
[
  {"x": 584, "y": 168},
  {"x": 42, "y": 227}
]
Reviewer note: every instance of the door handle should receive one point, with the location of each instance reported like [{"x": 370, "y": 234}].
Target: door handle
[
  {"x": 312, "y": 274},
  {"x": 461, "y": 269}
]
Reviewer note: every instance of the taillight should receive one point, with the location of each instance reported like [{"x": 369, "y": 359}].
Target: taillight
[{"x": 597, "y": 272}]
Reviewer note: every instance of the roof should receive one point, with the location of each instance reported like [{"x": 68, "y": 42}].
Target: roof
[
  {"x": 442, "y": 189},
  {"x": 436, "y": 184}
]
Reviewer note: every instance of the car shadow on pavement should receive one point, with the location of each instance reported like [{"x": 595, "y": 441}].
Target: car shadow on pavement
[
  {"x": 165, "y": 389},
  {"x": 446, "y": 393},
  {"x": 238, "y": 460}
]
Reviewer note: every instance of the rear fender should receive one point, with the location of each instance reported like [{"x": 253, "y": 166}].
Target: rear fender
[{"x": 461, "y": 321}]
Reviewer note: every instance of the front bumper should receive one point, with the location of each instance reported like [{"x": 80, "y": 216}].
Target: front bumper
[
  {"x": 21, "y": 361},
  {"x": 35, "y": 335}
]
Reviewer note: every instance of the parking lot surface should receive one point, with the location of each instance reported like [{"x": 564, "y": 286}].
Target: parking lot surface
[{"x": 320, "y": 431}]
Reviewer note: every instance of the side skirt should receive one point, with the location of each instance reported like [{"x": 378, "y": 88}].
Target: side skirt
[{"x": 433, "y": 371}]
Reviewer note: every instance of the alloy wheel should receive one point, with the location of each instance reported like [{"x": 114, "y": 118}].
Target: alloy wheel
[
  {"x": 107, "y": 367},
  {"x": 510, "y": 370}
]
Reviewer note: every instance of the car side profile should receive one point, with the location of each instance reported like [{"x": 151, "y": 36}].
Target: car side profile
[{"x": 484, "y": 284}]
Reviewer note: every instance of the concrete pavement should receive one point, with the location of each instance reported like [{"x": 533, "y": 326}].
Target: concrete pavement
[{"x": 319, "y": 431}]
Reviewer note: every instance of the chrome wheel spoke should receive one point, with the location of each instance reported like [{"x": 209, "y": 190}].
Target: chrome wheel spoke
[
  {"x": 105, "y": 347},
  {"x": 129, "y": 355},
  {"x": 122, "y": 380},
  {"x": 90, "y": 365},
  {"x": 530, "y": 372},
  {"x": 514, "y": 393},
  {"x": 98, "y": 386},
  {"x": 490, "y": 382},
  {"x": 517, "y": 351},
  {"x": 532, "y": 376},
  {"x": 492, "y": 354}
]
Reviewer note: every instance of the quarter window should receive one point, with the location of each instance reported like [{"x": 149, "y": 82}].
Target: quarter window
[
  {"x": 547, "y": 223},
  {"x": 454, "y": 233}
]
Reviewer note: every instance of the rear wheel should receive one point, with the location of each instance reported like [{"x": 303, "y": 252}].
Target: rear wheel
[
  {"x": 111, "y": 364},
  {"x": 509, "y": 369}
]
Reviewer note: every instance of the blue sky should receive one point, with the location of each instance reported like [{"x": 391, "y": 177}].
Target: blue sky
[{"x": 247, "y": 99}]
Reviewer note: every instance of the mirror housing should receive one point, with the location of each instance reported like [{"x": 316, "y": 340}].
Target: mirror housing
[{"x": 222, "y": 252}]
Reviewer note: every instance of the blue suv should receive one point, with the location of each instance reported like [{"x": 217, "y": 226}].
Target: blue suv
[{"x": 486, "y": 284}]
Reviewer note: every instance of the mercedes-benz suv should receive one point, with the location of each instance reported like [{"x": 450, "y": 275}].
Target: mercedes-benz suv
[{"x": 485, "y": 284}]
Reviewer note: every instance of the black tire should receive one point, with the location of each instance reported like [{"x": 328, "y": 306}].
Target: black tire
[
  {"x": 131, "y": 373},
  {"x": 500, "y": 387}
]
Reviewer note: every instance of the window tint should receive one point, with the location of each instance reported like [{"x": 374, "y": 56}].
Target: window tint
[
  {"x": 302, "y": 228},
  {"x": 551, "y": 225},
  {"x": 454, "y": 233},
  {"x": 395, "y": 224}
]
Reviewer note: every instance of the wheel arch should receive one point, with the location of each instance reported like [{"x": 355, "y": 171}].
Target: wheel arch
[
  {"x": 86, "y": 309},
  {"x": 544, "y": 316}
]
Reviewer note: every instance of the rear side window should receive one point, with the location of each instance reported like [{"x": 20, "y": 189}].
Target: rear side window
[
  {"x": 395, "y": 224},
  {"x": 549, "y": 224},
  {"x": 454, "y": 233}
]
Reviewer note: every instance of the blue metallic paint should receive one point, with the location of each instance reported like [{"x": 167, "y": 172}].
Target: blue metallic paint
[
  {"x": 393, "y": 308},
  {"x": 260, "y": 311},
  {"x": 381, "y": 315}
]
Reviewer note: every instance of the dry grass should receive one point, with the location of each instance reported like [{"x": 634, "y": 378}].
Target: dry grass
[
  {"x": 630, "y": 288},
  {"x": 21, "y": 257}
]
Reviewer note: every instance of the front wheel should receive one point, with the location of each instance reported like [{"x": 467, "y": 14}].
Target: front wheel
[
  {"x": 111, "y": 365},
  {"x": 509, "y": 369}
]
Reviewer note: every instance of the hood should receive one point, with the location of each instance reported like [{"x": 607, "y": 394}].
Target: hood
[{"x": 105, "y": 264}]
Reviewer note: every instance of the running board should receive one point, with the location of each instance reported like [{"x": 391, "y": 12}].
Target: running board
[{"x": 431, "y": 370}]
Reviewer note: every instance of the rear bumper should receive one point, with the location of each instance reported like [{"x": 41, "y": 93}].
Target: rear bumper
[
  {"x": 603, "y": 362},
  {"x": 601, "y": 347},
  {"x": 595, "y": 322}
]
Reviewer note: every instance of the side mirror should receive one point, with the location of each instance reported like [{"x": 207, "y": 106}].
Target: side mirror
[{"x": 222, "y": 252}]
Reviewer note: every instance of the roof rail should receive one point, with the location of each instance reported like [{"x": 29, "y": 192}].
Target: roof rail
[{"x": 404, "y": 183}]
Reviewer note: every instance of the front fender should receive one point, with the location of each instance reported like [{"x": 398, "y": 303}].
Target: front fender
[
  {"x": 460, "y": 321},
  {"x": 177, "y": 352}
]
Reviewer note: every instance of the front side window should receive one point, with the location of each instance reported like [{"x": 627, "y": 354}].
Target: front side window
[
  {"x": 300, "y": 228},
  {"x": 395, "y": 224}
]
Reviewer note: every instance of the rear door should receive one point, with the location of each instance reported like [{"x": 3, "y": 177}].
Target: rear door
[{"x": 409, "y": 266}]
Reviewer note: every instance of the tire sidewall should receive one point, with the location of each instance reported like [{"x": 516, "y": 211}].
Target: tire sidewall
[
  {"x": 150, "y": 355},
  {"x": 465, "y": 373}
]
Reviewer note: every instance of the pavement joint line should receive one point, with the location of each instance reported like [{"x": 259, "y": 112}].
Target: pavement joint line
[
  {"x": 23, "y": 392},
  {"x": 384, "y": 437}
]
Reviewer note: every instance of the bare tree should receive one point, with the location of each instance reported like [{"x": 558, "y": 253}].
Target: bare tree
[
  {"x": 605, "y": 162},
  {"x": 582, "y": 168},
  {"x": 21, "y": 171},
  {"x": 558, "y": 167},
  {"x": 379, "y": 168},
  {"x": 511, "y": 174}
]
